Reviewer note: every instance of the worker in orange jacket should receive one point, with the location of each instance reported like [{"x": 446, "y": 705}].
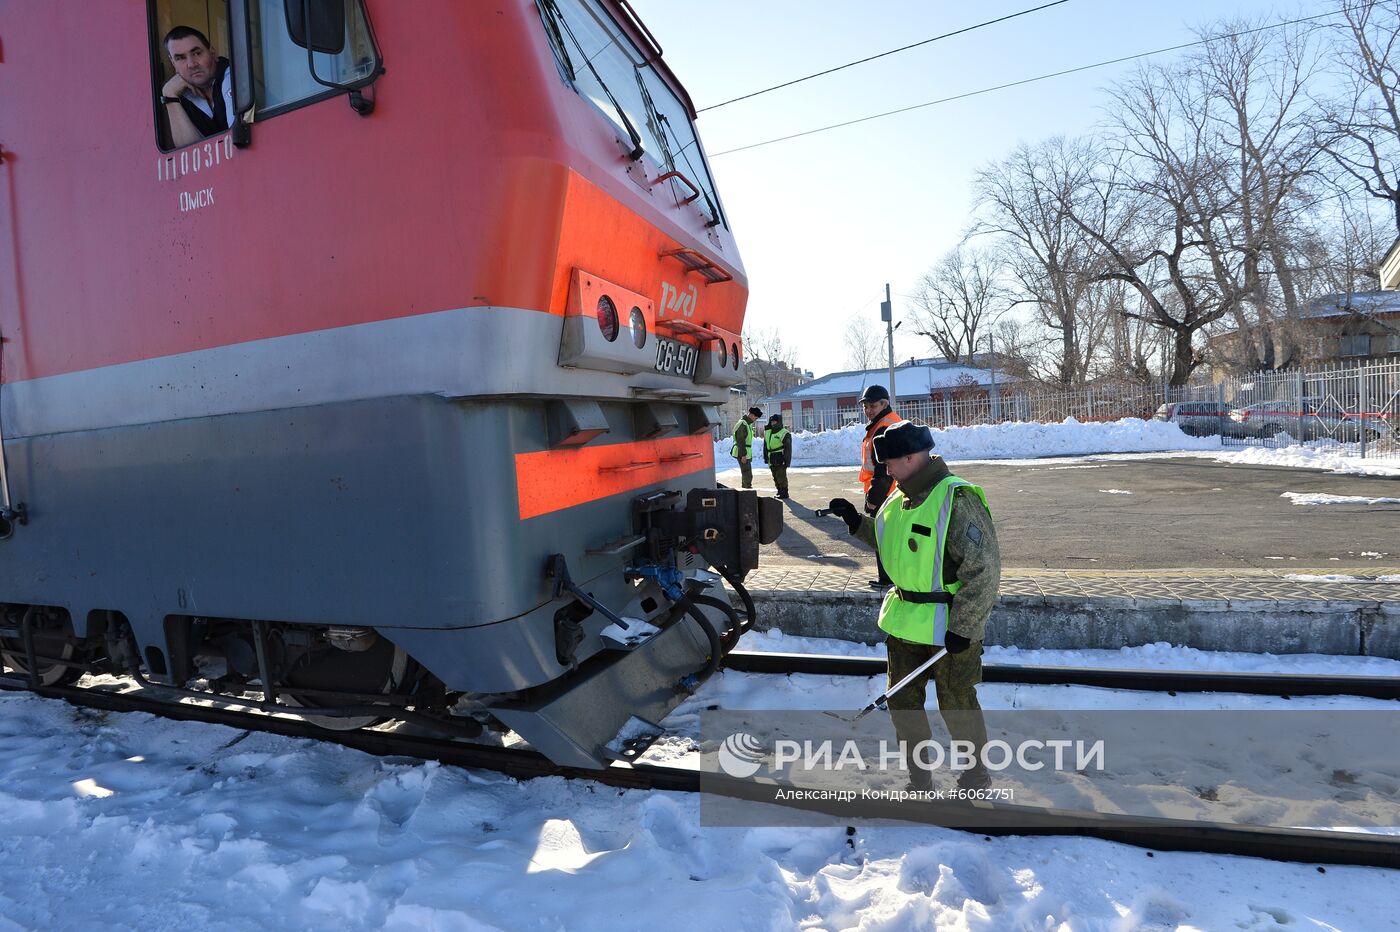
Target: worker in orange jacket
[{"x": 876, "y": 482}]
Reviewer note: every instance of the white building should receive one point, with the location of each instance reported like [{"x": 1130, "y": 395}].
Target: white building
[
  {"x": 1390, "y": 268},
  {"x": 831, "y": 400}
]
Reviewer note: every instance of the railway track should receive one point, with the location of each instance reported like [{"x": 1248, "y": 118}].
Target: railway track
[
  {"x": 1296, "y": 845},
  {"x": 1167, "y": 681}
]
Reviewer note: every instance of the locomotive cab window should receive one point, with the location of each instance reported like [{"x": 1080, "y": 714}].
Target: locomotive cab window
[
  {"x": 193, "y": 74},
  {"x": 218, "y": 59},
  {"x": 304, "y": 50},
  {"x": 602, "y": 63}
]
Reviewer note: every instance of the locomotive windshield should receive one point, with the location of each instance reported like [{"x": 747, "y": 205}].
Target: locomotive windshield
[{"x": 606, "y": 68}]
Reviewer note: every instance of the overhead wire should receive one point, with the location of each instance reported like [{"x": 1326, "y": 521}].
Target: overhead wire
[
  {"x": 1024, "y": 81},
  {"x": 870, "y": 58}
]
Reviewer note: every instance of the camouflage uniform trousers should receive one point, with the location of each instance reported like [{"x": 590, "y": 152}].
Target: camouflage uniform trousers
[
  {"x": 746, "y": 473},
  {"x": 955, "y": 680}
]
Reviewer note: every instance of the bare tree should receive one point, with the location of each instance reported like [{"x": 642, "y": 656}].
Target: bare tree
[
  {"x": 1029, "y": 197},
  {"x": 1364, "y": 128},
  {"x": 1018, "y": 349},
  {"x": 1248, "y": 91},
  {"x": 865, "y": 344},
  {"x": 1134, "y": 344},
  {"x": 768, "y": 362},
  {"x": 1338, "y": 256},
  {"x": 1157, "y": 206},
  {"x": 957, "y": 301}
]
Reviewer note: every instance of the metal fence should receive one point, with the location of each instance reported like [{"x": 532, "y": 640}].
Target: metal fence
[{"x": 1356, "y": 407}]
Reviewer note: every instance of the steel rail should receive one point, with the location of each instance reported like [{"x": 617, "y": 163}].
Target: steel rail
[
  {"x": 1276, "y": 844},
  {"x": 1168, "y": 681}
]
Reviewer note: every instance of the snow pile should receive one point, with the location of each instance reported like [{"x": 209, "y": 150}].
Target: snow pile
[
  {"x": 1129, "y": 438},
  {"x": 995, "y": 441},
  {"x": 1318, "y": 454},
  {"x": 1322, "y": 498}
]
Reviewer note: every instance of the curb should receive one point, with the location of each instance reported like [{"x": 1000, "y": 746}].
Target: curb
[{"x": 1360, "y": 627}]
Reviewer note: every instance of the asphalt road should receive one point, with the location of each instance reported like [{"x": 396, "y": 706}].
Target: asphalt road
[{"x": 1182, "y": 513}]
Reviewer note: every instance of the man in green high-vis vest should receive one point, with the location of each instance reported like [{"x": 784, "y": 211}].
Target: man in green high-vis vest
[
  {"x": 938, "y": 544},
  {"x": 743, "y": 446},
  {"x": 777, "y": 452}
]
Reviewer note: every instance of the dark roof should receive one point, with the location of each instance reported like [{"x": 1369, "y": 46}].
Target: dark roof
[{"x": 1368, "y": 303}]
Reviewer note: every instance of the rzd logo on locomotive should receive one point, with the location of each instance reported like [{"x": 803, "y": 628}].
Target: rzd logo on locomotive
[{"x": 677, "y": 301}]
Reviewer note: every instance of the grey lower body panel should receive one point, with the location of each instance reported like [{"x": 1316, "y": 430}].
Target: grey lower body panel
[{"x": 399, "y": 514}]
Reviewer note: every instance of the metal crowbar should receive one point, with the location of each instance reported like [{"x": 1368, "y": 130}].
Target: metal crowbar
[{"x": 883, "y": 699}]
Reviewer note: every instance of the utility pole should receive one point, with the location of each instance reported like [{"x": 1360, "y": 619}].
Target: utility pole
[{"x": 887, "y": 315}]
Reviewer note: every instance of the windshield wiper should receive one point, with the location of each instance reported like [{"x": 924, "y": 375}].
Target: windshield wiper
[
  {"x": 662, "y": 125},
  {"x": 551, "y": 7},
  {"x": 552, "y": 18}
]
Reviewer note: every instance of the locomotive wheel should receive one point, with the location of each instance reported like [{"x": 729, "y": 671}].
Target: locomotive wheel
[
  {"x": 46, "y": 644},
  {"x": 379, "y": 670}
]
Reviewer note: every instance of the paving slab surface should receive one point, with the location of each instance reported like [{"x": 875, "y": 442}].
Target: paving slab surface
[{"x": 1175, "y": 527}]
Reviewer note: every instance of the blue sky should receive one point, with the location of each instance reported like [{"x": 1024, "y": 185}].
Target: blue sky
[{"x": 824, "y": 221}]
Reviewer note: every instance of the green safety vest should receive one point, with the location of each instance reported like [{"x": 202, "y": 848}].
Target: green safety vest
[
  {"x": 779, "y": 436},
  {"x": 912, "y": 543},
  {"x": 745, "y": 429}
]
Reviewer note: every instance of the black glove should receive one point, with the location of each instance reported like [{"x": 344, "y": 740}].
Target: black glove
[
  {"x": 955, "y": 643},
  {"x": 846, "y": 512}
]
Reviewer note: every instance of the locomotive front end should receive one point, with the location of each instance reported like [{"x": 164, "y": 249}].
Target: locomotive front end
[{"x": 402, "y": 410}]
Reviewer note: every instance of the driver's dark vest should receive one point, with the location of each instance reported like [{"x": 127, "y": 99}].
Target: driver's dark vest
[{"x": 209, "y": 125}]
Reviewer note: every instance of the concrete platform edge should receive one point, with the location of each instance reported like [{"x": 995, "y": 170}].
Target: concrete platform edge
[{"x": 1351, "y": 627}]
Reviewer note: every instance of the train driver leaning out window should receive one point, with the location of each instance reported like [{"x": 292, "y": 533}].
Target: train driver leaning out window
[{"x": 198, "y": 100}]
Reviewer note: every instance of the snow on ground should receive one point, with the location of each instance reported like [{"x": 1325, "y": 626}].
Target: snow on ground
[
  {"x": 1332, "y": 577},
  {"x": 278, "y": 833},
  {"x": 1129, "y": 438},
  {"x": 997, "y": 441},
  {"x": 1322, "y": 498},
  {"x": 129, "y": 821}
]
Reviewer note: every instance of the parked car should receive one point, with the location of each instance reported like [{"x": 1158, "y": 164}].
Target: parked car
[
  {"x": 1197, "y": 418},
  {"x": 1312, "y": 422}
]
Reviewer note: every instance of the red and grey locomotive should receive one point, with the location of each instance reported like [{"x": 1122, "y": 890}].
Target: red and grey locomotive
[{"x": 392, "y": 398}]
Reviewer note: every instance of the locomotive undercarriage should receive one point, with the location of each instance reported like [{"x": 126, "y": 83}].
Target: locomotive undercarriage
[
  {"x": 337, "y": 677},
  {"x": 344, "y": 678}
]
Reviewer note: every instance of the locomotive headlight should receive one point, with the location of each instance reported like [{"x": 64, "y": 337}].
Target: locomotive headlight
[
  {"x": 607, "y": 318},
  {"x": 639, "y": 327},
  {"x": 734, "y": 355}
]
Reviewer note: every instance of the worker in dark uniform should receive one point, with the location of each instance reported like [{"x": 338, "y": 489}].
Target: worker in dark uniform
[
  {"x": 777, "y": 452},
  {"x": 743, "y": 446},
  {"x": 936, "y": 538},
  {"x": 874, "y": 480}
]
